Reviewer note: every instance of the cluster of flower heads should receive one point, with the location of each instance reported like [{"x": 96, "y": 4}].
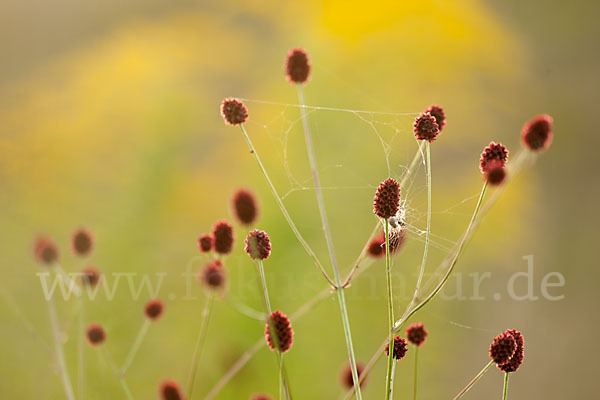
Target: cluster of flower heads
[
  {"x": 507, "y": 350},
  {"x": 400, "y": 348},
  {"x": 169, "y": 390},
  {"x": 387, "y": 199}
]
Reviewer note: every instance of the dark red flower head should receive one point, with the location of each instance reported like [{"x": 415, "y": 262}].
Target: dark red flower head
[
  {"x": 82, "y": 243},
  {"x": 91, "y": 276},
  {"x": 346, "y": 375},
  {"x": 297, "y": 67},
  {"x": 517, "y": 359},
  {"x": 387, "y": 199},
  {"x": 416, "y": 333},
  {"x": 169, "y": 390},
  {"x": 261, "y": 396},
  {"x": 493, "y": 152},
  {"x": 438, "y": 113},
  {"x": 377, "y": 246},
  {"x": 95, "y": 334},
  {"x": 223, "y": 237},
  {"x": 154, "y": 309},
  {"x": 245, "y": 207},
  {"x": 503, "y": 348},
  {"x": 537, "y": 133},
  {"x": 258, "y": 245},
  {"x": 426, "y": 127},
  {"x": 45, "y": 251},
  {"x": 284, "y": 332},
  {"x": 205, "y": 243},
  {"x": 495, "y": 172},
  {"x": 400, "y": 348},
  {"x": 213, "y": 275},
  {"x": 234, "y": 112}
]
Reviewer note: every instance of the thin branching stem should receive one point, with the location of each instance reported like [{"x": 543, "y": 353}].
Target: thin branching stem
[
  {"x": 115, "y": 369},
  {"x": 327, "y": 231},
  {"x": 60, "y": 356},
  {"x": 136, "y": 345},
  {"x": 457, "y": 255},
  {"x": 428, "y": 231},
  {"x": 199, "y": 342},
  {"x": 505, "y": 391},
  {"x": 287, "y": 216},
  {"x": 474, "y": 380},
  {"x": 388, "y": 269}
]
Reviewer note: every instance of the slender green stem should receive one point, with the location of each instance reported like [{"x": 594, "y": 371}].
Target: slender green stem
[
  {"x": 505, "y": 386},
  {"x": 136, "y": 345},
  {"x": 115, "y": 369},
  {"x": 327, "y": 231},
  {"x": 415, "y": 375},
  {"x": 474, "y": 380},
  {"x": 60, "y": 356},
  {"x": 388, "y": 385},
  {"x": 283, "y": 384},
  {"x": 392, "y": 381},
  {"x": 199, "y": 342},
  {"x": 428, "y": 232},
  {"x": 459, "y": 250},
  {"x": 287, "y": 216},
  {"x": 81, "y": 349}
]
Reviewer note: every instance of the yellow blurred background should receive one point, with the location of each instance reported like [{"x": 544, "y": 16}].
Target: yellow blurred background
[{"x": 109, "y": 119}]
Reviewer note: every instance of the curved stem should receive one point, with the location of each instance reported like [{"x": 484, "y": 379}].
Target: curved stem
[
  {"x": 388, "y": 385},
  {"x": 459, "y": 250},
  {"x": 199, "y": 342},
  {"x": 329, "y": 240},
  {"x": 428, "y": 232},
  {"x": 115, "y": 369},
  {"x": 60, "y": 357},
  {"x": 287, "y": 216},
  {"x": 505, "y": 386},
  {"x": 136, "y": 346},
  {"x": 474, "y": 380},
  {"x": 415, "y": 375}
]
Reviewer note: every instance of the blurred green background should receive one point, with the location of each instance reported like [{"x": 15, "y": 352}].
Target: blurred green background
[{"x": 109, "y": 120}]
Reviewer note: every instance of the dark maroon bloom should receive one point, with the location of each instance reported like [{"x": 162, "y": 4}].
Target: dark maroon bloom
[
  {"x": 82, "y": 243},
  {"x": 234, "y": 112},
  {"x": 426, "y": 127},
  {"x": 169, "y": 390},
  {"x": 493, "y": 152},
  {"x": 261, "y": 396},
  {"x": 95, "y": 334},
  {"x": 91, "y": 276},
  {"x": 154, "y": 309},
  {"x": 258, "y": 245},
  {"x": 213, "y": 275},
  {"x": 416, "y": 333},
  {"x": 346, "y": 375},
  {"x": 284, "y": 332},
  {"x": 495, "y": 172},
  {"x": 377, "y": 246},
  {"x": 537, "y": 133},
  {"x": 245, "y": 207},
  {"x": 387, "y": 199},
  {"x": 503, "y": 348},
  {"x": 297, "y": 67},
  {"x": 517, "y": 359},
  {"x": 205, "y": 243},
  {"x": 45, "y": 251},
  {"x": 400, "y": 348},
  {"x": 223, "y": 237},
  {"x": 438, "y": 113}
]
